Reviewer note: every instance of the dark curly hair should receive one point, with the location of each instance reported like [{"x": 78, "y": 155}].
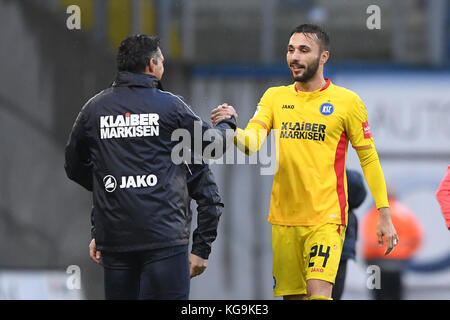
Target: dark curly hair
[
  {"x": 135, "y": 52},
  {"x": 322, "y": 36}
]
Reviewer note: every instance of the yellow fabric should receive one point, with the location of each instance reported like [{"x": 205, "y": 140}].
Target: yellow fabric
[
  {"x": 318, "y": 298},
  {"x": 303, "y": 253},
  {"x": 373, "y": 173},
  {"x": 310, "y": 186}
]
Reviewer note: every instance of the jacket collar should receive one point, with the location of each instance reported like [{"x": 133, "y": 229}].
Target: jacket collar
[{"x": 130, "y": 79}]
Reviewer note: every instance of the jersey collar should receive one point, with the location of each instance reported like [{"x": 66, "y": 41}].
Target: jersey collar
[{"x": 327, "y": 84}]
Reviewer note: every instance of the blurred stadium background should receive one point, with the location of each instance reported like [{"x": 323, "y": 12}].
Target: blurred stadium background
[{"x": 216, "y": 51}]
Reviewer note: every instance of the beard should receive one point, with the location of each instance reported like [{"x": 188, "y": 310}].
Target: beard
[{"x": 309, "y": 72}]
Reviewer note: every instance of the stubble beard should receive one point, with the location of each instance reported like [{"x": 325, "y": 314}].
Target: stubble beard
[{"x": 310, "y": 71}]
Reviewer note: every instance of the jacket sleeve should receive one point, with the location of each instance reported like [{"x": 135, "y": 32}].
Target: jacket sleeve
[
  {"x": 92, "y": 223},
  {"x": 212, "y": 139},
  {"x": 78, "y": 164},
  {"x": 356, "y": 190},
  {"x": 443, "y": 197},
  {"x": 203, "y": 189}
]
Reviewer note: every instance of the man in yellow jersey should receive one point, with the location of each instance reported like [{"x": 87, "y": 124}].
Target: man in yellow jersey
[{"x": 313, "y": 121}]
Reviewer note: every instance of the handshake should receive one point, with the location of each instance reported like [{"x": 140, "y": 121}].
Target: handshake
[{"x": 222, "y": 112}]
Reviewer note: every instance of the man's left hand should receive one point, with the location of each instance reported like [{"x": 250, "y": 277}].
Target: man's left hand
[
  {"x": 197, "y": 265},
  {"x": 386, "y": 229}
]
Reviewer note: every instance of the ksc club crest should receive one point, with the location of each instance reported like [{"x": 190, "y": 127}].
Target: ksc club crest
[{"x": 326, "y": 109}]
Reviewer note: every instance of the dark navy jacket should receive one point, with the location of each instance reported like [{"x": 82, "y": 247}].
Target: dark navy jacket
[
  {"x": 356, "y": 195},
  {"x": 120, "y": 149}
]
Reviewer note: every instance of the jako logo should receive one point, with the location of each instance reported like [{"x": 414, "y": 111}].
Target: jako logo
[
  {"x": 288, "y": 106},
  {"x": 326, "y": 109},
  {"x": 142, "y": 181},
  {"x": 110, "y": 183}
]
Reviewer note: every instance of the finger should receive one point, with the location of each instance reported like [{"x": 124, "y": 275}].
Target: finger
[
  {"x": 221, "y": 116},
  {"x": 201, "y": 270},
  {"x": 388, "y": 250},
  {"x": 218, "y": 119},
  {"x": 215, "y": 116},
  {"x": 98, "y": 255},
  {"x": 94, "y": 256},
  {"x": 389, "y": 244},
  {"x": 196, "y": 270},
  {"x": 193, "y": 274},
  {"x": 220, "y": 112},
  {"x": 219, "y": 108},
  {"x": 215, "y": 120},
  {"x": 91, "y": 252},
  {"x": 380, "y": 239}
]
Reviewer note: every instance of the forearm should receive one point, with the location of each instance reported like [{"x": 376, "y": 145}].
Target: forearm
[
  {"x": 206, "y": 232},
  {"x": 214, "y": 140},
  {"x": 251, "y": 139},
  {"x": 374, "y": 176},
  {"x": 79, "y": 171}
]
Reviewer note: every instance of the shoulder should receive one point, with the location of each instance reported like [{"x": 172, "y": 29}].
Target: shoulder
[
  {"x": 278, "y": 90},
  {"x": 98, "y": 97},
  {"x": 177, "y": 102},
  {"x": 170, "y": 98},
  {"x": 273, "y": 93},
  {"x": 352, "y": 101},
  {"x": 347, "y": 93},
  {"x": 90, "y": 105}
]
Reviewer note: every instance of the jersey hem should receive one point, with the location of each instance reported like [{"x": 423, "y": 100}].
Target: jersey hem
[
  {"x": 288, "y": 292},
  {"x": 304, "y": 224}
]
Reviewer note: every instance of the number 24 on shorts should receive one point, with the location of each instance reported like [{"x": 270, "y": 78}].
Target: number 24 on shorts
[{"x": 318, "y": 251}]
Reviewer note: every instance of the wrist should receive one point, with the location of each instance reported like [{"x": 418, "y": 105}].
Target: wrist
[{"x": 384, "y": 212}]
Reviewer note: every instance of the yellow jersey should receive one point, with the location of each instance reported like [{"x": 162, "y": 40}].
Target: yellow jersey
[{"x": 312, "y": 130}]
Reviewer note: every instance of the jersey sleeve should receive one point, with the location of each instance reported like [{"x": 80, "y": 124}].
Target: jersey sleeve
[
  {"x": 258, "y": 128},
  {"x": 358, "y": 131},
  {"x": 357, "y": 126}
]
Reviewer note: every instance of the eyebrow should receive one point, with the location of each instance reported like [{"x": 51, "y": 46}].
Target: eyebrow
[{"x": 302, "y": 46}]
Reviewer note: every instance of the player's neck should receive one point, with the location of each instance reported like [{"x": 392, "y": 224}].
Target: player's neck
[{"x": 315, "y": 83}]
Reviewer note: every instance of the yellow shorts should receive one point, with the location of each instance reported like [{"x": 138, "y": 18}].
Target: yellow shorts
[{"x": 301, "y": 253}]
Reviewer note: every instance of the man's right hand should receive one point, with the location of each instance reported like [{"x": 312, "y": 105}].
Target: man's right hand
[
  {"x": 222, "y": 112},
  {"x": 93, "y": 252}
]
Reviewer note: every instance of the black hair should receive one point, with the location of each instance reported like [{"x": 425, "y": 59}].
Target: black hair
[
  {"x": 322, "y": 36},
  {"x": 136, "y": 51}
]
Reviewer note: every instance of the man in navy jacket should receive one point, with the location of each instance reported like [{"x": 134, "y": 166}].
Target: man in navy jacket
[{"x": 121, "y": 148}]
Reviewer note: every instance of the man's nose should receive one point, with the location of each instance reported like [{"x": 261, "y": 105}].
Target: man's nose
[{"x": 296, "y": 55}]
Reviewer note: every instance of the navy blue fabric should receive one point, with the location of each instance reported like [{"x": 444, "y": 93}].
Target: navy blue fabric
[
  {"x": 159, "y": 274},
  {"x": 356, "y": 195},
  {"x": 134, "y": 218}
]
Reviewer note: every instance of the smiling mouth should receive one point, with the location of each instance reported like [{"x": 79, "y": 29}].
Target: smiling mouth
[{"x": 297, "y": 68}]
